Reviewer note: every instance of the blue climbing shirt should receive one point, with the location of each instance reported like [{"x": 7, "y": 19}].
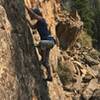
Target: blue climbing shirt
[{"x": 42, "y": 29}]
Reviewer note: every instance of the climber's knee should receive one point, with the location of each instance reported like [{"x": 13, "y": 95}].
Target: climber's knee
[{"x": 46, "y": 44}]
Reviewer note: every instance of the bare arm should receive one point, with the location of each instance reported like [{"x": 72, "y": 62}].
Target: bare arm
[
  {"x": 33, "y": 14},
  {"x": 32, "y": 26},
  {"x": 29, "y": 23}
]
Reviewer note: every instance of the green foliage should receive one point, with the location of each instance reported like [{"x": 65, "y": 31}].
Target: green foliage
[
  {"x": 86, "y": 13},
  {"x": 97, "y": 22},
  {"x": 96, "y": 27},
  {"x": 85, "y": 40},
  {"x": 66, "y": 4}
]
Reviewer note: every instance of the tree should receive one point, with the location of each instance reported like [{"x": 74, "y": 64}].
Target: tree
[
  {"x": 86, "y": 13},
  {"x": 96, "y": 25}
]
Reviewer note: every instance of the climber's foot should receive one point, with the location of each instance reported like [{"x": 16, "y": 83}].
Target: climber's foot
[{"x": 35, "y": 45}]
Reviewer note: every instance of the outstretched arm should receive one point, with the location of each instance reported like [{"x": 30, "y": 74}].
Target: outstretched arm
[
  {"x": 34, "y": 15},
  {"x": 29, "y": 23},
  {"x": 32, "y": 26}
]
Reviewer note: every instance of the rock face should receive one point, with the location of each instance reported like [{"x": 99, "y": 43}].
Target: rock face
[
  {"x": 20, "y": 73},
  {"x": 17, "y": 82}
]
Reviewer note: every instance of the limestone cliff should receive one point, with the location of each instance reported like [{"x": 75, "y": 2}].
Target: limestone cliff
[{"x": 20, "y": 74}]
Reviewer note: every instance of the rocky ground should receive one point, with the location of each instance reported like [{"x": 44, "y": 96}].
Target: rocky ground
[{"x": 79, "y": 71}]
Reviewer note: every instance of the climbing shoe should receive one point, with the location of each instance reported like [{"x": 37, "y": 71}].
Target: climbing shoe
[{"x": 35, "y": 45}]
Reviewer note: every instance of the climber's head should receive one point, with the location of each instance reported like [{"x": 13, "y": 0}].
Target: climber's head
[{"x": 36, "y": 11}]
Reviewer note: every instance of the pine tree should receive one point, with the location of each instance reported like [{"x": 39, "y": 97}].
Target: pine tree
[
  {"x": 86, "y": 13},
  {"x": 96, "y": 6}
]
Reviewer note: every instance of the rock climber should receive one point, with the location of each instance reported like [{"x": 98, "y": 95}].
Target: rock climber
[{"x": 47, "y": 42}]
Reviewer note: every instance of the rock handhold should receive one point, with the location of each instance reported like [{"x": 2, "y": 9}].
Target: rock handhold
[{"x": 90, "y": 61}]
